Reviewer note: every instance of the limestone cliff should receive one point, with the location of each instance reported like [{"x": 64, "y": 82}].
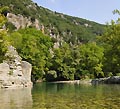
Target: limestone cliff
[
  {"x": 19, "y": 21},
  {"x": 13, "y": 71}
]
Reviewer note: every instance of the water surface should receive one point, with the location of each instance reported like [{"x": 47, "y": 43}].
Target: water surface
[
  {"x": 74, "y": 96},
  {"x": 16, "y": 98},
  {"x": 61, "y": 96}
]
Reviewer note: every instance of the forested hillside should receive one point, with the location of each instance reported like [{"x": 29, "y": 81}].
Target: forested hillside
[
  {"x": 86, "y": 50},
  {"x": 62, "y": 27}
]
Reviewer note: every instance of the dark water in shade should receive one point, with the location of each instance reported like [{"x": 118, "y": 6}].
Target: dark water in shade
[{"x": 61, "y": 96}]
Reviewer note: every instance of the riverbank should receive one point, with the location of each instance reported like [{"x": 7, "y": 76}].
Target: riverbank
[
  {"x": 107, "y": 80},
  {"x": 75, "y": 81}
]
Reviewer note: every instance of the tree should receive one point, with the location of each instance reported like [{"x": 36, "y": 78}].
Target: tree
[
  {"x": 33, "y": 47},
  {"x": 90, "y": 63},
  {"x": 111, "y": 42},
  {"x": 62, "y": 63}
]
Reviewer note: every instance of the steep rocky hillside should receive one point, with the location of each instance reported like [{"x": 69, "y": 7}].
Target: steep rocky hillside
[{"x": 26, "y": 13}]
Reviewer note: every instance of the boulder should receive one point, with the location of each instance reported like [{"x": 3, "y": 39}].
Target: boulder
[
  {"x": 26, "y": 70},
  {"x": 13, "y": 71}
]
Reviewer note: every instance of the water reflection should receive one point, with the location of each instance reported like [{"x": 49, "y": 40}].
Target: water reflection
[
  {"x": 16, "y": 98},
  {"x": 61, "y": 96},
  {"x": 74, "y": 96}
]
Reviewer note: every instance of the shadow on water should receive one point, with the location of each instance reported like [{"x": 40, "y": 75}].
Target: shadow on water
[{"x": 16, "y": 98}]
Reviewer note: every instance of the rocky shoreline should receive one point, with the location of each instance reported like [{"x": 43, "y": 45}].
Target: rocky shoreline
[
  {"x": 75, "y": 82},
  {"x": 109, "y": 80}
]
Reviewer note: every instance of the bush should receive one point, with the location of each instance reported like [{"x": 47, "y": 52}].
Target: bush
[{"x": 51, "y": 75}]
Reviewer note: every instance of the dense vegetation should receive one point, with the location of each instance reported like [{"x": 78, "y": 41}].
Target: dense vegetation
[
  {"x": 94, "y": 59},
  {"x": 71, "y": 29}
]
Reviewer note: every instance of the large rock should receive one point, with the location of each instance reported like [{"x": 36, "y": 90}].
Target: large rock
[
  {"x": 26, "y": 70},
  {"x": 13, "y": 71},
  {"x": 20, "y": 21}
]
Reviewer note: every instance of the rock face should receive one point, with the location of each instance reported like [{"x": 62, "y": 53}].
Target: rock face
[
  {"x": 13, "y": 71},
  {"x": 21, "y": 22}
]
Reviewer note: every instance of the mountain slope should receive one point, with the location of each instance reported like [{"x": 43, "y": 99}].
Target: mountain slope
[{"x": 59, "y": 26}]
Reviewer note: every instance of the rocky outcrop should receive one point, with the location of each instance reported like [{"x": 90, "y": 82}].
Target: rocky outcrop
[
  {"x": 109, "y": 80},
  {"x": 20, "y": 21},
  {"x": 13, "y": 71}
]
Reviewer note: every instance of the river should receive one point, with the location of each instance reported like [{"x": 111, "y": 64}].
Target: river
[{"x": 61, "y": 96}]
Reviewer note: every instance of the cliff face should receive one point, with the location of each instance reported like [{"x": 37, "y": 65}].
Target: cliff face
[
  {"x": 20, "y": 21},
  {"x": 13, "y": 71}
]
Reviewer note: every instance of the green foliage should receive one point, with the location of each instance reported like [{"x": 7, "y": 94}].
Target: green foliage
[
  {"x": 2, "y": 20},
  {"x": 33, "y": 47},
  {"x": 10, "y": 26},
  {"x": 72, "y": 60},
  {"x": 61, "y": 63},
  {"x": 51, "y": 75},
  {"x": 90, "y": 62},
  {"x": 117, "y": 74},
  {"x": 111, "y": 42},
  {"x": 3, "y": 35},
  {"x": 71, "y": 29},
  {"x": 79, "y": 62},
  {"x": 3, "y": 45}
]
